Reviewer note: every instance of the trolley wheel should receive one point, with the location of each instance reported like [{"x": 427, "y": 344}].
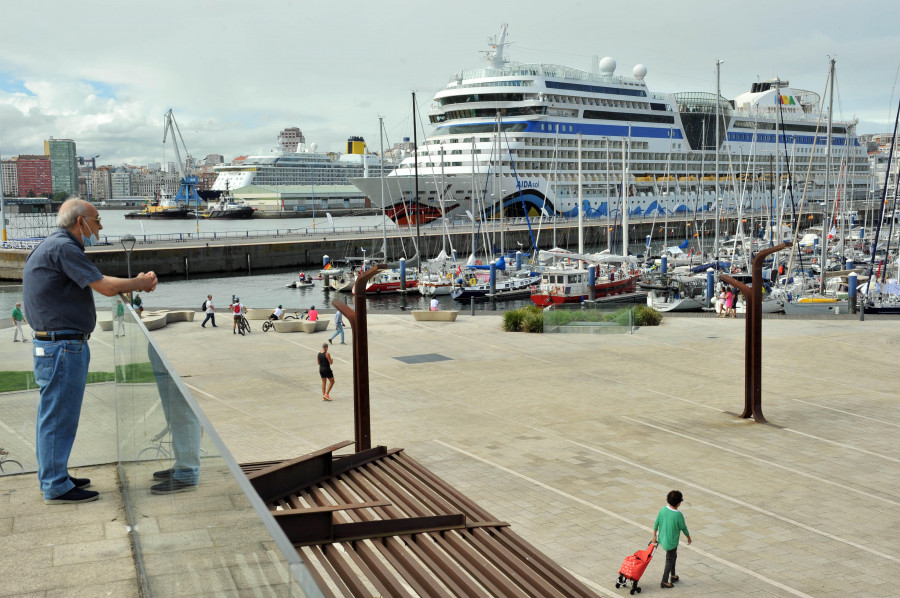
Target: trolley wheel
[
  {"x": 618, "y": 585},
  {"x": 632, "y": 591},
  {"x": 638, "y": 590}
]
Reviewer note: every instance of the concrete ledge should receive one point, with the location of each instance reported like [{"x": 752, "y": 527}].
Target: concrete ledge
[
  {"x": 184, "y": 315},
  {"x": 425, "y": 315},
  {"x": 288, "y": 325},
  {"x": 258, "y": 313},
  {"x": 319, "y": 325},
  {"x": 105, "y": 325},
  {"x": 154, "y": 320}
]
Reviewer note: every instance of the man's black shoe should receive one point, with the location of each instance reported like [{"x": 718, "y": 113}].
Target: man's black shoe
[
  {"x": 165, "y": 474},
  {"x": 172, "y": 486},
  {"x": 73, "y": 497},
  {"x": 80, "y": 482}
]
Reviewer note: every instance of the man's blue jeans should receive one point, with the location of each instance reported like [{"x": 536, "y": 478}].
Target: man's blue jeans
[
  {"x": 209, "y": 316},
  {"x": 183, "y": 424},
  {"x": 60, "y": 370},
  {"x": 339, "y": 329}
]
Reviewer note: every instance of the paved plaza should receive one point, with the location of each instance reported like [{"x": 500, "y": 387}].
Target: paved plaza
[{"x": 573, "y": 439}]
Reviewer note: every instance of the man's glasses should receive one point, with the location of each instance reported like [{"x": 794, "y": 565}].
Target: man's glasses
[{"x": 92, "y": 218}]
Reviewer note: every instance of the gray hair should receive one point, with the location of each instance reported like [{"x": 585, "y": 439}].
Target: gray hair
[{"x": 70, "y": 211}]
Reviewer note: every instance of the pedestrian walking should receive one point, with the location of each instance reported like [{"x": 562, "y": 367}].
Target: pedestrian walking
[
  {"x": 210, "y": 312},
  {"x": 18, "y": 318},
  {"x": 58, "y": 284},
  {"x": 729, "y": 303},
  {"x": 120, "y": 319},
  {"x": 323, "y": 357},
  {"x": 338, "y": 327},
  {"x": 669, "y": 526}
]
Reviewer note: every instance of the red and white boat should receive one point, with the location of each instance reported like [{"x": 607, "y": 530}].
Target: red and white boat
[
  {"x": 571, "y": 285},
  {"x": 568, "y": 279},
  {"x": 388, "y": 281}
]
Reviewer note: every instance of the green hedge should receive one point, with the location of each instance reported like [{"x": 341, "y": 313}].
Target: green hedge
[{"x": 524, "y": 319}]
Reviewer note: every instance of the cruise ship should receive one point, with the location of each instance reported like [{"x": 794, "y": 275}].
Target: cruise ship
[
  {"x": 295, "y": 163},
  {"x": 508, "y": 135}
]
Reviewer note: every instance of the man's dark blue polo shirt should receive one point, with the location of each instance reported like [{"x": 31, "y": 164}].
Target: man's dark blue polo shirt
[{"x": 55, "y": 285}]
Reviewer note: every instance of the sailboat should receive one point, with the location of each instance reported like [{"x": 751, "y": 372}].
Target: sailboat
[{"x": 820, "y": 302}]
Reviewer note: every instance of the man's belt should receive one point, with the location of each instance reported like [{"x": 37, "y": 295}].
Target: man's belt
[{"x": 56, "y": 336}]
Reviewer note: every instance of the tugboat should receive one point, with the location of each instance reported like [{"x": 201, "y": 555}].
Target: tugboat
[
  {"x": 163, "y": 206},
  {"x": 230, "y": 208}
]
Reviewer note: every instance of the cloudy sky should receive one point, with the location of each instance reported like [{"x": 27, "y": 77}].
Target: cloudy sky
[{"x": 237, "y": 72}]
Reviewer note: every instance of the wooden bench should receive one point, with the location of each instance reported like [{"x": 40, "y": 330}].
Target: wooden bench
[{"x": 426, "y": 315}]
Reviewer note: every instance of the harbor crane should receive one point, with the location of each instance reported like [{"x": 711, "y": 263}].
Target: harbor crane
[{"x": 187, "y": 184}]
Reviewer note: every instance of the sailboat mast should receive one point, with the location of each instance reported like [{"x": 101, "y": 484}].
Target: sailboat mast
[
  {"x": 580, "y": 202},
  {"x": 416, "y": 170},
  {"x": 500, "y": 181},
  {"x": 474, "y": 188},
  {"x": 625, "y": 195},
  {"x": 824, "y": 254},
  {"x": 383, "y": 216},
  {"x": 718, "y": 142}
]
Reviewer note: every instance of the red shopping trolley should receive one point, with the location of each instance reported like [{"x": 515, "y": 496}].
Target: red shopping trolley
[{"x": 633, "y": 567}]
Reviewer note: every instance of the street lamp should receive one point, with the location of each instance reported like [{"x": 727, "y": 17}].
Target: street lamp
[
  {"x": 94, "y": 164},
  {"x": 128, "y": 242}
]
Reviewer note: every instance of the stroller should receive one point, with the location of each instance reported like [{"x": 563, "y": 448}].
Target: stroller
[{"x": 633, "y": 567}]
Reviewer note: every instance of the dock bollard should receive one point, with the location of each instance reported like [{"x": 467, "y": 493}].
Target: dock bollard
[
  {"x": 710, "y": 286},
  {"x": 852, "y": 282},
  {"x": 402, "y": 275},
  {"x": 493, "y": 280},
  {"x": 472, "y": 305},
  {"x": 592, "y": 280}
]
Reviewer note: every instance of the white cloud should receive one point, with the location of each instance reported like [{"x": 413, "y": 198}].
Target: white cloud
[{"x": 237, "y": 73}]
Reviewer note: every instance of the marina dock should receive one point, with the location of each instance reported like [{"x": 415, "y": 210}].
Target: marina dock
[{"x": 185, "y": 254}]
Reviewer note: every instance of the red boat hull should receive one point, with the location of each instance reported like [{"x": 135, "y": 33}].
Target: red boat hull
[
  {"x": 408, "y": 215},
  {"x": 606, "y": 289}
]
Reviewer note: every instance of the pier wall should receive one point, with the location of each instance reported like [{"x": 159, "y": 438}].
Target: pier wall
[{"x": 177, "y": 259}]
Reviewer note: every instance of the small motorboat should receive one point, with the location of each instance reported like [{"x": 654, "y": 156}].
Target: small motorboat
[{"x": 300, "y": 284}]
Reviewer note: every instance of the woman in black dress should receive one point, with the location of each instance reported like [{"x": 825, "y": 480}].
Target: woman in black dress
[{"x": 324, "y": 359}]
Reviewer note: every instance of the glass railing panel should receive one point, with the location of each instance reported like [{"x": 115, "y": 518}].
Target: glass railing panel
[
  {"x": 198, "y": 526},
  {"x": 586, "y": 319}
]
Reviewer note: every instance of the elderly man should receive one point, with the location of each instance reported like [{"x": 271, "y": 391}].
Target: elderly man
[{"x": 57, "y": 285}]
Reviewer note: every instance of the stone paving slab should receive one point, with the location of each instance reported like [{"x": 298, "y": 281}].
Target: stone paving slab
[{"x": 575, "y": 439}]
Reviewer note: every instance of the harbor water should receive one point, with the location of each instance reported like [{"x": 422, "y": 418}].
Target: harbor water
[{"x": 261, "y": 288}]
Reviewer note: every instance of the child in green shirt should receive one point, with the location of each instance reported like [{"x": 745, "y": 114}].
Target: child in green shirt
[{"x": 669, "y": 524}]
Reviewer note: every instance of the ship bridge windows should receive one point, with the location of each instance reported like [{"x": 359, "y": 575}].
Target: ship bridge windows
[
  {"x": 596, "y": 89},
  {"x": 481, "y": 97},
  {"x": 629, "y": 116},
  {"x": 482, "y": 128},
  {"x": 488, "y": 113}
]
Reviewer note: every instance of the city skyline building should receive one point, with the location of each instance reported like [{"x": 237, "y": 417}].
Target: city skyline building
[
  {"x": 10, "y": 179},
  {"x": 33, "y": 175},
  {"x": 63, "y": 165}
]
